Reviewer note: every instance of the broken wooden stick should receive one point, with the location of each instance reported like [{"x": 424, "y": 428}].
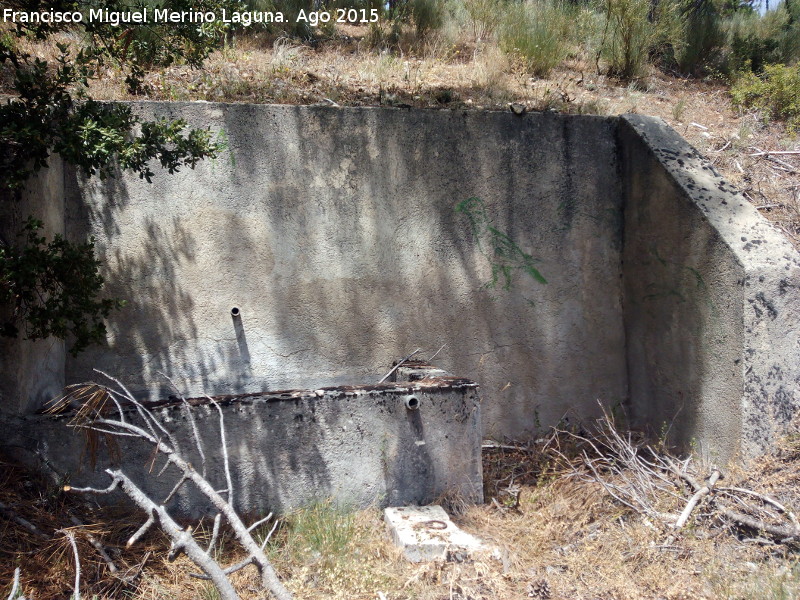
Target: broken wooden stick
[
  {"x": 769, "y": 152},
  {"x": 11, "y": 515},
  {"x": 96, "y": 544},
  {"x": 695, "y": 499},
  {"x": 394, "y": 368},
  {"x": 76, "y": 592},
  {"x": 15, "y": 587}
]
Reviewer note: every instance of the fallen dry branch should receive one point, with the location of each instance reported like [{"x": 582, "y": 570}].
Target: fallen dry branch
[
  {"x": 768, "y": 152},
  {"x": 656, "y": 485},
  {"x": 693, "y": 501},
  {"x": 97, "y": 545},
  {"x": 76, "y": 592},
  {"x": 182, "y": 540},
  {"x": 400, "y": 363},
  {"x": 15, "y": 587},
  {"x": 10, "y": 514},
  {"x": 150, "y": 430}
]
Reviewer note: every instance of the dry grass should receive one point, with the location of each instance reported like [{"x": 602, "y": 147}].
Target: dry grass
[{"x": 566, "y": 539}]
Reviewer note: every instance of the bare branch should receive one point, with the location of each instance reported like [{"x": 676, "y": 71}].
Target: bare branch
[
  {"x": 214, "y": 533},
  {"x": 765, "y": 499},
  {"x": 782, "y": 533},
  {"x": 232, "y": 569},
  {"x": 394, "y": 368},
  {"x": 182, "y": 540},
  {"x": 108, "y": 431},
  {"x": 186, "y": 409},
  {"x": 88, "y": 490},
  {"x": 147, "y": 416},
  {"x": 141, "y": 531},
  {"x": 640, "y": 482},
  {"x": 704, "y": 491},
  {"x": 76, "y": 594},
  {"x": 259, "y": 522},
  {"x": 175, "y": 489},
  {"x": 269, "y": 535},
  {"x": 15, "y": 586},
  {"x": 768, "y": 152},
  {"x": 224, "y": 444},
  {"x": 96, "y": 544},
  {"x": 435, "y": 354},
  {"x": 10, "y": 514}
]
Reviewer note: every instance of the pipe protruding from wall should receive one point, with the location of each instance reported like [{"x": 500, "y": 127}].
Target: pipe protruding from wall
[
  {"x": 235, "y": 312},
  {"x": 411, "y": 402}
]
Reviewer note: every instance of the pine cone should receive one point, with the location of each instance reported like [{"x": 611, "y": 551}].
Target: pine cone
[{"x": 540, "y": 590}]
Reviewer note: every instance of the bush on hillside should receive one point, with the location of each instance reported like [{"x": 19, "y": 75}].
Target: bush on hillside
[
  {"x": 627, "y": 45},
  {"x": 702, "y": 39},
  {"x": 536, "y": 33},
  {"x": 776, "y": 92},
  {"x": 755, "y": 41},
  {"x": 485, "y": 16}
]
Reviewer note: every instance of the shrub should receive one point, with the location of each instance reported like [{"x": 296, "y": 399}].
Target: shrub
[
  {"x": 629, "y": 37},
  {"x": 537, "y": 33},
  {"x": 52, "y": 288},
  {"x": 485, "y": 16},
  {"x": 702, "y": 39},
  {"x": 428, "y": 15},
  {"x": 756, "y": 41},
  {"x": 776, "y": 92},
  {"x": 586, "y": 29}
]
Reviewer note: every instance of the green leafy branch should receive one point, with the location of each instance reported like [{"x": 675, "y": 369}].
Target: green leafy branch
[
  {"x": 52, "y": 288},
  {"x": 50, "y": 115}
]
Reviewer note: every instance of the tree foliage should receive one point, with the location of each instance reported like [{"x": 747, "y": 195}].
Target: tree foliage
[{"x": 53, "y": 288}]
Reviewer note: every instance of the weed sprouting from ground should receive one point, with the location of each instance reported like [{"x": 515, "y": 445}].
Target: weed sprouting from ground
[{"x": 322, "y": 532}]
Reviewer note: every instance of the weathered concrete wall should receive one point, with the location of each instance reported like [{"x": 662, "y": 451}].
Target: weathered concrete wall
[
  {"x": 357, "y": 445},
  {"x": 334, "y": 232},
  {"x": 712, "y": 300},
  {"x": 31, "y": 372}
]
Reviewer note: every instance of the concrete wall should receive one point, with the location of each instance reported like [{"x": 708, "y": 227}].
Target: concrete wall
[
  {"x": 334, "y": 232},
  {"x": 358, "y": 445},
  {"x": 31, "y": 372},
  {"x": 712, "y": 306}
]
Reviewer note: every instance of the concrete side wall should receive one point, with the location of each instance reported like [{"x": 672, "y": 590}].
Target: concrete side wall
[
  {"x": 31, "y": 372},
  {"x": 334, "y": 232},
  {"x": 712, "y": 303},
  {"x": 358, "y": 446}
]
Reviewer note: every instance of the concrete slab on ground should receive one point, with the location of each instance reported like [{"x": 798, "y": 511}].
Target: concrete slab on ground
[{"x": 427, "y": 533}]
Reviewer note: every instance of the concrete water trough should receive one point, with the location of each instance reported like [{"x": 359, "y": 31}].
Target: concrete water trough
[{"x": 392, "y": 444}]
